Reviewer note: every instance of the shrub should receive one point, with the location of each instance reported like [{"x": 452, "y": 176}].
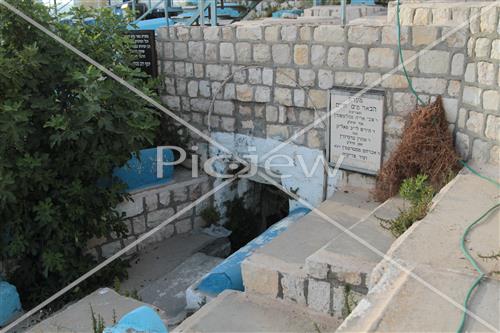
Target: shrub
[
  {"x": 419, "y": 194},
  {"x": 64, "y": 126}
]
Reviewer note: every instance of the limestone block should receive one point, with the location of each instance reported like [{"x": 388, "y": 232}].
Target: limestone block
[
  {"x": 228, "y": 124},
  {"x": 243, "y": 52},
  {"x": 491, "y": 99},
  {"x": 329, "y": 34},
  {"x": 454, "y": 88},
  {"x": 278, "y": 132},
  {"x": 393, "y": 125},
  {"x": 244, "y": 92},
  {"x": 192, "y": 88},
  {"x": 307, "y": 77},
  {"x": 410, "y": 63},
  {"x": 299, "y": 97},
  {"x": 225, "y": 108},
  {"x": 283, "y": 96},
  {"x": 313, "y": 139},
  {"x": 200, "y": 104},
  {"x": 422, "y": 16},
  {"x": 249, "y": 32},
  {"x": 294, "y": 288},
  {"x": 493, "y": 128},
  {"x": 212, "y": 33},
  {"x": 372, "y": 79},
  {"x": 495, "y": 49},
  {"x": 348, "y": 78},
  {"x": 305, "y": 33},
  {"x": 316, "y": 269},
  {"x": 272, "y": 33},
  {"x": 262, "y": 53},
  {"x": 211, "y": 51},
  {"x": 475, "y": 122},
  {"x": 424, "y": 35},
  {"x": 164, "y": 198},
  {"x": 172, "y": 102},
  {"x": 381, "y": 58},
  {"x": 179, "y": 68},
  {"x": 480, "y": 151},
  {"x": 494, "y": 155},
  {"x": 229, "y": 91},
  {"x": 281, "y": 54},
  {"x": 430, "y": 85},
  {"x": 394, "y": 81},
  {"x": 138, "y": 224},
  {"x": 434, "y": 62},
  {"x": 335, "y": 58},
  {"x": 403, "y": 103},
  {"x": 317, "y": 98},
  {"x": 267, "y": 76},
  {"x": 199, "y": 71},
  {"x": 183, "y": 226},
  {"x": 196, "y": 33},
  {"x": 462, "y": 144},
  {"x": 289, "y": 33},
  {"x": 455, "y": 39},
  {"x": 107, "y": 250},
  {"x": 228, "y": 33},
  {"x": 254, "y": 75},
  {"x": 457, "y": 64},
  {"x": 486, "y": 73},
  {"x": 262, "y": 94},
  {"x": 462, "y": 118},
  {"x": 168, "y": 50},
  {"x": 204, "y": 88},
  {"x": 318, "y": 55},
  {"x": 390, "y": 37},
  {"x": 259, "y": 279},
  {"x": 482, "y": 49},
  {"x": 489, "y": 21},
  {"x": 301, "y": 54},
  {"x": 157, "y": 217},
  {"x": 356, "y": 57},
  {"x": 319, "y": 296},
  {"x": 450, "y": 106},
  {"x": 441, "y": 16},
  {"x": 325, "y": 79},
  {"x": 180, "y": 50},
  {"x": 472, "y": 95},
  {"x": 271, "y": 113},
  {"x": 470, "y": 73},
  {"x": 364, "y": 35},
  {"x": 286, "y": 77},
  {"x": 226, "y": 52}
]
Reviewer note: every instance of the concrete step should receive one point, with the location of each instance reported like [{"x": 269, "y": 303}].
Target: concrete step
[
  {"x": 158, "y": 259},
  {"x": 234, "y": 311},
  {"x": 168, "y": 292},
  {"x": 77, "y": 317},
  {"x": 430, "y": 249},
  {"x": 277, "y": 269}
]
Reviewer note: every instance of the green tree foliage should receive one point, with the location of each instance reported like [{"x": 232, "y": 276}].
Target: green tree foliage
[{"x": 64, "y": 126}]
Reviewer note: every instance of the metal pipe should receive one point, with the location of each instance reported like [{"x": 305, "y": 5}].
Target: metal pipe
[
  {"x": 148, "y": 11},
  {"x": 213, "y": 12},
  {"x": 166, "y": 5},
  {"x": 201, "y": 12},
  {"x": 55, "y": 7},
  {"x": 343, "y": 12}
]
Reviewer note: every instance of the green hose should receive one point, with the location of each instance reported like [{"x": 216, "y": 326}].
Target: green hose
[
  {"x": 464, "y": 250},
  {"x": 410, "y": 84},
  {"x": 466, "y": 253}
]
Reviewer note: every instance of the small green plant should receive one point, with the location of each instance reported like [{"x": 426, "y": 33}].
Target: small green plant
[
  {"x": 98, "y": 324},
  {"x": 210, "y": 215},
  {"x": 419, "y": 194}
]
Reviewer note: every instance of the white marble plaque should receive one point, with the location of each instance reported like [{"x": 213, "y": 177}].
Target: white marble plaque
[{"x": 356, "y": 129}]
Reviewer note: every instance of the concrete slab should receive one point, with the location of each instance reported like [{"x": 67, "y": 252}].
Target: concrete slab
[
  {"x": 434, "y": 241},
  {"x": 168, "y": 292},
  {"x": 77, "y": 318},
  {"x": 405, "y": 305},
  {"x": 310, "y": 233},
  {"x": 233, "y": 311},
  {"x": 158, "y": 259}
]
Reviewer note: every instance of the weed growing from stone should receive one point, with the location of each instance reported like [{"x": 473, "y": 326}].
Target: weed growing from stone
[{"x": 419, "y": 194}]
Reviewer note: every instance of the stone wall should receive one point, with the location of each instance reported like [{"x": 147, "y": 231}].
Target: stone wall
[
  {"x": 149, "y": 207},
  {"x": 275, "y": 77}
]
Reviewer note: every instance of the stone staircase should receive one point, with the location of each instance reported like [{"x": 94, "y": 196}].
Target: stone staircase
[{"x": 312, "y": 270}]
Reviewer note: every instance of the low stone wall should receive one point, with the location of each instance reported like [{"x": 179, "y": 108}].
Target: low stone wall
[
  {"x": 352, "y": 12},
  {"x": 151, "y": 206},
  {"x": 276, "y": 78}
]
